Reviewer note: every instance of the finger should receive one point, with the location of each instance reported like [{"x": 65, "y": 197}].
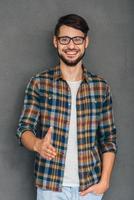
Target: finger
[
  {"x": 51, "y": 152},
  {"x": 48, "y": 156},
  {"x": 90, "y": 189},
  {"x": 52, "y": 148}
]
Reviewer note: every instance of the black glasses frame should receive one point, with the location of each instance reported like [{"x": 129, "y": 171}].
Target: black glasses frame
[{"x": 71, "y": 38}]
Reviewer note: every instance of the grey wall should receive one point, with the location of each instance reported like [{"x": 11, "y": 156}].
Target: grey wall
[{"x": 26, "y": 28}]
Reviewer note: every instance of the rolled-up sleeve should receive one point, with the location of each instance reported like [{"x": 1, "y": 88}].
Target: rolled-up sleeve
[
  {"x": 31, "y": 110},
  {"x": 107, "y": 129}
]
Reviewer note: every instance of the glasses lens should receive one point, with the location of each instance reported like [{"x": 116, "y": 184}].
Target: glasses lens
[
  {"x": 64, "y": 40},
  {"x": 78, "y": 40}
]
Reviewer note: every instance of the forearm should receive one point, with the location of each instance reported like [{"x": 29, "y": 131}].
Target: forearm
[
  {"x": 29, "y": 140},
  {"x": 108, "y": 160},
  {"x": 103, "y": 185}
]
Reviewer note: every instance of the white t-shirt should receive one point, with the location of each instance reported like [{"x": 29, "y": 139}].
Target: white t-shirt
[{"x": 71, "y": 177}]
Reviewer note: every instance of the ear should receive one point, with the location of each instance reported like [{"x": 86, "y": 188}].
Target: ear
[
  {"x": 55, "y": 41},
  {"x": 87, "y": 40}
]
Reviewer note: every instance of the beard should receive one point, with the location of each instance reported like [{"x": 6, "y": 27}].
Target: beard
[{"x": 71, "y": 63}]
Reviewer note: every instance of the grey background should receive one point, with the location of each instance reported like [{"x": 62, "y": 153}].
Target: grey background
[{"x": 26, "y": 29}]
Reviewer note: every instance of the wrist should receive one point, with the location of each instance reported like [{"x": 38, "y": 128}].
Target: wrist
[{"x": 105, "y": 182}]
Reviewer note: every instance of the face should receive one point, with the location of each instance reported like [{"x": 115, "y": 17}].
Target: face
[{"x": 70, "y": 54}]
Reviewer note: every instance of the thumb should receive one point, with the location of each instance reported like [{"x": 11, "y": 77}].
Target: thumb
[
  {"x": 91, "y": 188},
  {"x": 48, "y": 135}
]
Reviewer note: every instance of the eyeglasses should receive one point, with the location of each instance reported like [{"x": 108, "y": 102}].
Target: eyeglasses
[{"x": 66, "y": 40}]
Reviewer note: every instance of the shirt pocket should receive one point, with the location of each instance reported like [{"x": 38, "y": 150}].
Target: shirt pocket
[
  {"x": 47, "y": 99},
  {"x": 47, "y": 106},
  {"x": 95, "y": 102}
]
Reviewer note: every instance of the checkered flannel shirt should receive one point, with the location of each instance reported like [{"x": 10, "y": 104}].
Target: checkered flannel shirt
[{"x": 47, "y": 103}]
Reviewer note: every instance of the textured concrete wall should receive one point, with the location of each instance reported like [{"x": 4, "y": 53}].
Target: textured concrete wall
[{"x": 26, "y": 28}]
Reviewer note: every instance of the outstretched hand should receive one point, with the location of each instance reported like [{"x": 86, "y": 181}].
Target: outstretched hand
[{"x": 44, "y": 147}]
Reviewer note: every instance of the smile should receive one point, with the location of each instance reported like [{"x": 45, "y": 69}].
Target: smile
[{"x": 71, "y": 53}]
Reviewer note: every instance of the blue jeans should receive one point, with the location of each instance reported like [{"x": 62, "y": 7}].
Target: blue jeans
[{"x": 68, "y": 193}]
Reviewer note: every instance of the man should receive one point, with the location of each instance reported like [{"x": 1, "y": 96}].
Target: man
[{"x": 67, "y": 120}]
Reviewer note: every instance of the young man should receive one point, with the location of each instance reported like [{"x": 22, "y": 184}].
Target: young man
[{"x": 67, "y": 120}]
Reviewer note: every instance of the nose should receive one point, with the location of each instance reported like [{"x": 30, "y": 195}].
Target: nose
[{"x": 71, "y": 45}]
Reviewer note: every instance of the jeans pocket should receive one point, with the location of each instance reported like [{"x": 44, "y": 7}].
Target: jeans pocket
[
  {"x": 93, "y": 196},
  {"x": 98, "y": 195}
]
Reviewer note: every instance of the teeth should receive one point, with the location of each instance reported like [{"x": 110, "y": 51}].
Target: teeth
[{"x": 71, "y": 53}]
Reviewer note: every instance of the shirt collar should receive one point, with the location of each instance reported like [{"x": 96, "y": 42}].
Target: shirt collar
[{"x": 58, "y": 74}]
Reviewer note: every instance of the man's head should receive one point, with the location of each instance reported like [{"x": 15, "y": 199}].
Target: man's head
[{"x": 71, "y": 38}]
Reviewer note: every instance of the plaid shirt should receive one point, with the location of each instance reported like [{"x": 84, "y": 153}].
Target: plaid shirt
[{"x": 48, "y": 103}]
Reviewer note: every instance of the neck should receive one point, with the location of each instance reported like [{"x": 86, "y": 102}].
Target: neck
[{"x": 71, "y": 73}]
